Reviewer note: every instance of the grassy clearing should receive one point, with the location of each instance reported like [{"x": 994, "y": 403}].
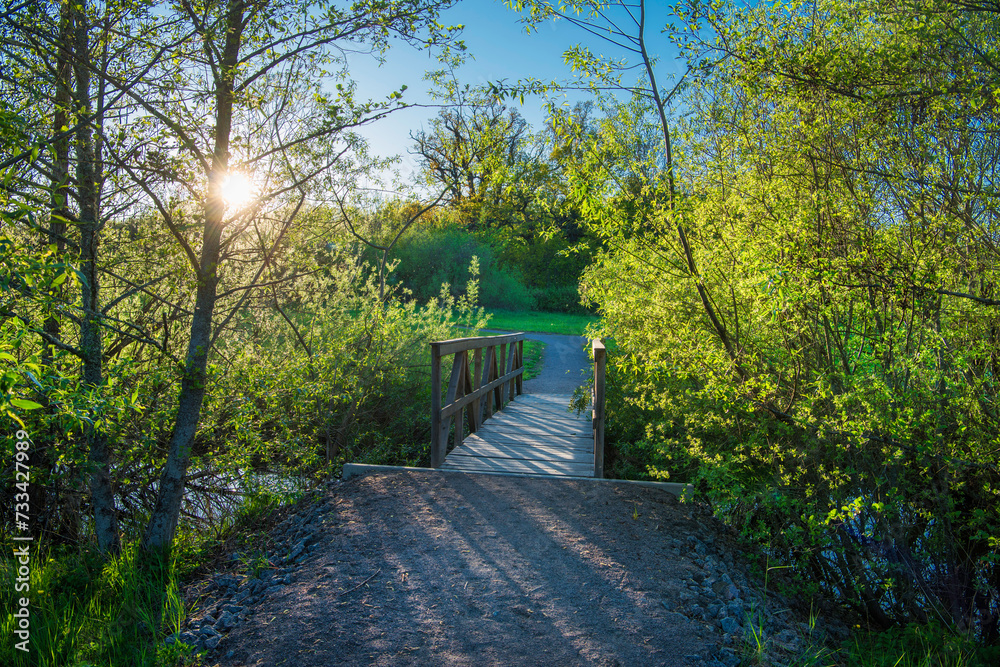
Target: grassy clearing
[
  {"x": 533, "y": 350},
  {"x": 555, "y": 323}
]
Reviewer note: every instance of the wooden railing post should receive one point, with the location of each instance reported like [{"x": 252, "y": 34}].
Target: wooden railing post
[
  {"x": 520, "y": 364},
  {"x": 501, "y": 390},
  {"x": 511, "y": 366},
  {"x": 600, "y": 359},
  {"x": 488, "y": 364},
  {"x": 461, "y": 364},
  {"x": 438, "y": 444},
  {"x": 477, "y": 382},
  {"x": 470, "y": 413}
]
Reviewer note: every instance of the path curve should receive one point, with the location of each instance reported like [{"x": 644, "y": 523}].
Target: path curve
[{"x": 565, "y": 364}]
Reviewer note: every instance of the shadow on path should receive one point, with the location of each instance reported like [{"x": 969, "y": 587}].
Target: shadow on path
[{"x": 481, "y": 570}]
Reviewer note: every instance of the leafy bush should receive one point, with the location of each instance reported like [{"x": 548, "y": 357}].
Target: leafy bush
[
  {"x": 545, "y": 260},
  {"x": 429, "y": 258},
  {"x": 503, "y": 289},
  {"x": 341, "y": 375},
  {"x": 559, "y": 299},
  {"x": 818, "y": 351},
  {"x": 308, "y": 377}
]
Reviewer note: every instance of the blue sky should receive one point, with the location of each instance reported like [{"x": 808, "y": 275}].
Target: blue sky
[{"x": 499, "y": 49}]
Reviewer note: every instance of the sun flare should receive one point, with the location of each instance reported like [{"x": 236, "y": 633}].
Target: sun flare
[{"x": 237, "y": 190}]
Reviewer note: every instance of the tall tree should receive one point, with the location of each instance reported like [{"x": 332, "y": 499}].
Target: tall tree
[
  {"x": 467, "y": 145},
  {"x": 180, "y": 102},
  {"x": 248, "y": 88},
  {"x": 70, "y": 48},
  {"x": 838, "y": 195},
  {"x": 625, "y": 26}
]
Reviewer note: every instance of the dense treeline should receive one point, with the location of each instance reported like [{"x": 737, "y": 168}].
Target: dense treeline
[{"x": 506, "y": 202}]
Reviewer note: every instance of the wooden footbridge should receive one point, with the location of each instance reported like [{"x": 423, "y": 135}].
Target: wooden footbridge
[{"x": 493, "y": 427}]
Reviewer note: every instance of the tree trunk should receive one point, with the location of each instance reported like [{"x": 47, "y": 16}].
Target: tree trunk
[
  {"x": 706, "y": 302},
  {"x": 163, "y": 522},
  {"x": 57, "y": 502},
  {"x": 87, "y": 173}
]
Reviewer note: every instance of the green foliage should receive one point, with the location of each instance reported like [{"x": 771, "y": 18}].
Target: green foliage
[
  {"x": 915, "y": 645},
  {"x": 547, "y": 256},
  {"x": 504, "y": 289},
  {"x": 502, "y": 188},
  {"x": 87, "y": 609},
  {"x": 483, "y": 154},
  {"x": 25, "y": 273},
  {"x": 808, "y": 329},
  {"x": 558, "y": 299},
  {"x": 536, "y": 274},
  {"x": 345, "y": 377},
  {"x": 430, "y": 258}
]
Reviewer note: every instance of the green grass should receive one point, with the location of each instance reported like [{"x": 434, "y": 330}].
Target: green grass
[
  {"x": 916, "y": 645},
  {"x": 90, "y": 611},
  {"x": 95, "y": 611},
  {"x": 555, "y": 323},
  {"x": 533, "y": 350}
]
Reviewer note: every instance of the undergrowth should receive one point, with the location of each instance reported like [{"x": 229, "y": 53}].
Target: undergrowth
[{"x": 86, "y": 609}]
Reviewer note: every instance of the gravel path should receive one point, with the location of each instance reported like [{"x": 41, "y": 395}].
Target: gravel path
[
  {"x": 565, "y": 365},
  {"x": 416, "y": 568}
]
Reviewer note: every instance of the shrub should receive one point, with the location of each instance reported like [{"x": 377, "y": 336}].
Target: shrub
[
  {"x": 430, "y": 258},
  {"x": 503, "y": 289},
  {"x": 341, "y": 376},
  {"x": 559, "y": 299}
]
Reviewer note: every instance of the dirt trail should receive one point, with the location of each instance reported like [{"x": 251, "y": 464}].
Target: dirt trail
[
  {"x": 418, "y": 568},
  {"x": 565, "y": 365}
]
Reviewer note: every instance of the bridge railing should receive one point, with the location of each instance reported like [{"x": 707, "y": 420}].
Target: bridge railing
[
  {"x": 476, "y": 388},
  {"x": 597, "y": 396}
]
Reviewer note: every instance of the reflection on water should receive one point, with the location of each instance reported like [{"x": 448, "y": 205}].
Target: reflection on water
[{"x": 212, "y": 497}]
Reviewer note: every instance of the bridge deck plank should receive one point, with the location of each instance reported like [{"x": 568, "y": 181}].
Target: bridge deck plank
[{"x": 534, "y": 435}]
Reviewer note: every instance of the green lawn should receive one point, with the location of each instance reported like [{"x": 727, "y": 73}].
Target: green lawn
[
  {"x": 557, "y": 323},
  {"x": 532, "y": 358}
]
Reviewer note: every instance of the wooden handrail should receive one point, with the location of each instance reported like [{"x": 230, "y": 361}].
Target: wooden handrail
[
  {"x": 468, "y": 386},
  {"x": 600, "y": 360}
]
